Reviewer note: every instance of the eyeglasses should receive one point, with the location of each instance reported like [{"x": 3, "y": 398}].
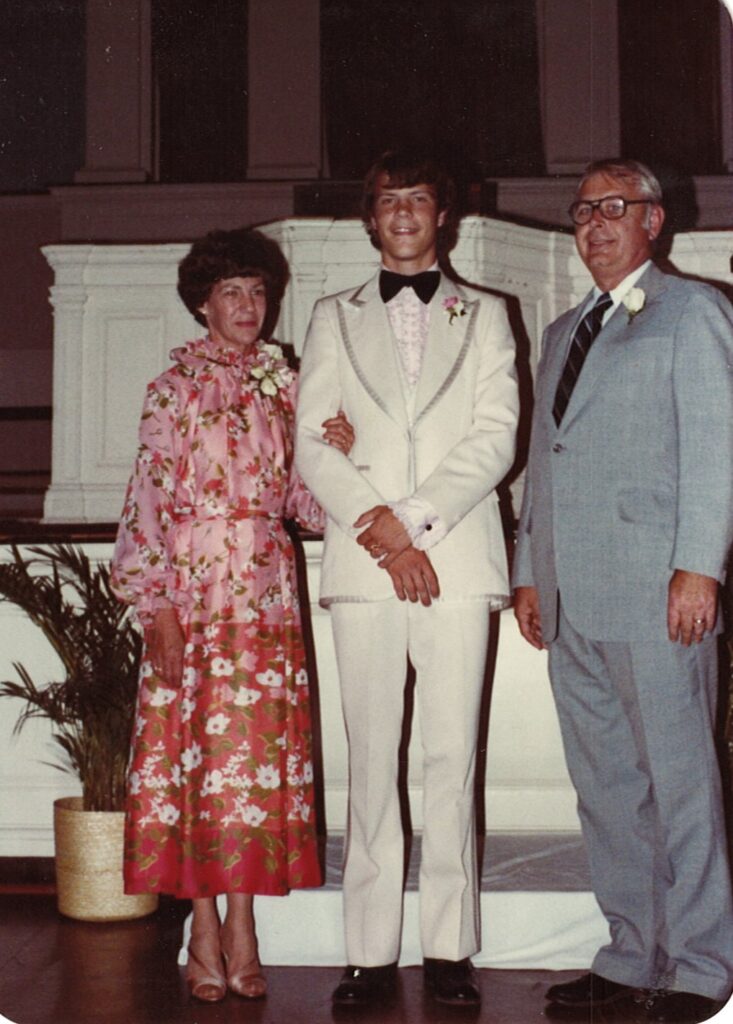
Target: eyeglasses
[{"x": 611, "y": 207}]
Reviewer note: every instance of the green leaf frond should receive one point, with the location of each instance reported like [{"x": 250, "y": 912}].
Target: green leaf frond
[{"x": 92, "y": 709}]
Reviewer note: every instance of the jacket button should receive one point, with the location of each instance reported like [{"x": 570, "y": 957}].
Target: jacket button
[{"x": 558, "y": 447}]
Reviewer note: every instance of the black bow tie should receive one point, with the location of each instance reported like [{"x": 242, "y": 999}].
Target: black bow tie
[{"x": 424, "y": 284}]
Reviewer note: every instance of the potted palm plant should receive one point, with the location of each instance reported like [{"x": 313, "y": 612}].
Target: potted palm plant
[{"x": 92, "y": 711}]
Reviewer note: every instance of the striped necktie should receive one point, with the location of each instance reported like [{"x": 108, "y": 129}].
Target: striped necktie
[{"x": 583, "y": 338}]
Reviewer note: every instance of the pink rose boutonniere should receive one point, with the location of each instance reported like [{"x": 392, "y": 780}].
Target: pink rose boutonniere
[
  {"x": 634, "y": 301},
  {"x": 454, "y": 307}
]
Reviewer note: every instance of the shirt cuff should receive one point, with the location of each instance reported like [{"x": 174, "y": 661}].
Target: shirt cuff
[{"x": 421, "y": 521}]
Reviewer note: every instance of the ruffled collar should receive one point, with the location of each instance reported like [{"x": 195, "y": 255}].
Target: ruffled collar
[
  {"x": 264, "y": 364},
  {"x": 204, "y": 350}
]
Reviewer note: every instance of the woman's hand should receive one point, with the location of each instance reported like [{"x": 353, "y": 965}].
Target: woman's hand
[
  {"x": 165, "y": 645},
  {"x": 338, "y": 432}
]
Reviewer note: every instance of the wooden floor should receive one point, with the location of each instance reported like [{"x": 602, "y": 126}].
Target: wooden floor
[{"x": 57, "y": 971}]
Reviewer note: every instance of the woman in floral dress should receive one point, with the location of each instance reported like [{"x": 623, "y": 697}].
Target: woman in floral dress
[{"x": 221, "y": 781}]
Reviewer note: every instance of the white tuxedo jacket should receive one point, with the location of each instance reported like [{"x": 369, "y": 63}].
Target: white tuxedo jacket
[{"x": 458, "y": 447}]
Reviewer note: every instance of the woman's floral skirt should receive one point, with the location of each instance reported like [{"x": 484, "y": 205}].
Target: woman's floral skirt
[{"x": 221, "y": 778}]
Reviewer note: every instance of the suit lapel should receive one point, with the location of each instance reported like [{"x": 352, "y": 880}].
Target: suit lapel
[
  {"x": 600, "y": 353},
  {"x": 446, "y": 347},
  {"x": 557, "y": 352},
  {"x": 370, "y": 346},
  {"x": 617, "y": 331}
]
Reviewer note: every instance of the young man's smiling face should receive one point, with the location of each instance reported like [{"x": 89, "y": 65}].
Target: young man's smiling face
[{"x": 406, "y": 221}]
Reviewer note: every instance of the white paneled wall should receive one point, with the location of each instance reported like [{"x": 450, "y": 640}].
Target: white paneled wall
[
  {"x": 117, "y": 316},
  {"x": 526, "y": 782}
]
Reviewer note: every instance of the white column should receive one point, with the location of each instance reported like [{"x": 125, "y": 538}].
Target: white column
[
  {"x": 68, "y": 298},
  {"x": 302, "y": 243},
  {"x": 579, "y": 85},
  {"x": 284, "y": 94},
  {"x": 116, "y": 316},
  {"x": 118, "y": 92}
]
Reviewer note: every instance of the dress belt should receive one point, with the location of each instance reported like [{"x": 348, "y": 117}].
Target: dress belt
[{"x": 201, "y": 512}]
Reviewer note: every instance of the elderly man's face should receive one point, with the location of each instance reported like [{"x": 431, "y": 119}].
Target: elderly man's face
[{"x": 611, "y": 249}]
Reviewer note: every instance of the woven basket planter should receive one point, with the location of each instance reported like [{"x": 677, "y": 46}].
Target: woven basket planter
[{"x": 89, "y": 882}]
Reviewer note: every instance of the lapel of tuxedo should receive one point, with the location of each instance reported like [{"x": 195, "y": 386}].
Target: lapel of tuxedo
[
  {"x": 370, "y": 346},
  {"x": 604, "y": 350},
  {"x": 446, "y": 347}
]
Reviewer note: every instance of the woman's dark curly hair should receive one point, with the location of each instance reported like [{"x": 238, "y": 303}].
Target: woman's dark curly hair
[
  {"x": 405, "y": 168},
  {"x": 220, "y": 255}
]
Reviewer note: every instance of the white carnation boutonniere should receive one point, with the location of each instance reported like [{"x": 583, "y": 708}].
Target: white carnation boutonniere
[
  {"x": 454, "y": 307},
  {"x": 634, "y": 301},
  {"x": 270, "y": 371}
]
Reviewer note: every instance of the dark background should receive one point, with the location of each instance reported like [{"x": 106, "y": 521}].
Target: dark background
[{"x": 459, "y": 75}]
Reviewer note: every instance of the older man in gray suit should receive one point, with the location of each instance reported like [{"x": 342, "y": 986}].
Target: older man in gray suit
[{"x": 623, "y": 540}]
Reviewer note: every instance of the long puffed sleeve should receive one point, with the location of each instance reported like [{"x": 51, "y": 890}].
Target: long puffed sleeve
[
  {"x": 142, "y": 573},
  {"x": 300, "y": 504}
]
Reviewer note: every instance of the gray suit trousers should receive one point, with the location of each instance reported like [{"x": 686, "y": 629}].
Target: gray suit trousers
[{"x": 637, "y": 726}]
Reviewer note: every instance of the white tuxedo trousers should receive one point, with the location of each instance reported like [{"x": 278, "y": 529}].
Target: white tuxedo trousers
[{"x": 447, "y": 645}]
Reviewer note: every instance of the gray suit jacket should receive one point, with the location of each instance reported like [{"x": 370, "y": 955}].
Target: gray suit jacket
[
  {"x": 638, "y": 478},
  {"x": 459, "y": 446}
]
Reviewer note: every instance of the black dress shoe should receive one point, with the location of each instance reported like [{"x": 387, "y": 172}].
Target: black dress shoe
[
  {"x": 587, "y": 990},
  {"x": 683, "y": 1007},
  {"x": 362, "y": 985},
  {"x": 451, "y": 981}
]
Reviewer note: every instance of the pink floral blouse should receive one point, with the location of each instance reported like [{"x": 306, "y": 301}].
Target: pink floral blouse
[{"x": 215, "y": 444}]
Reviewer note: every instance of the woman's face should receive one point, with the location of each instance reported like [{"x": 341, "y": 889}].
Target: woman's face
[{"x": 235, "y": 310}]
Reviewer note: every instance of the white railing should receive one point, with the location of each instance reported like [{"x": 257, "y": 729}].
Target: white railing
[{"x": 117, "y": 316}]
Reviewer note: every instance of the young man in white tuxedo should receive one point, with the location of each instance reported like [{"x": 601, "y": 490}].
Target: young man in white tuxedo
[
  {"x": 414, "y": 561},
  {"x": 623, "y": 540}
]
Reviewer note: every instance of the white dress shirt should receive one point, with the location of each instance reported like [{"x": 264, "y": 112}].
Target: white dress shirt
[{"x": 409, "y": 318}]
